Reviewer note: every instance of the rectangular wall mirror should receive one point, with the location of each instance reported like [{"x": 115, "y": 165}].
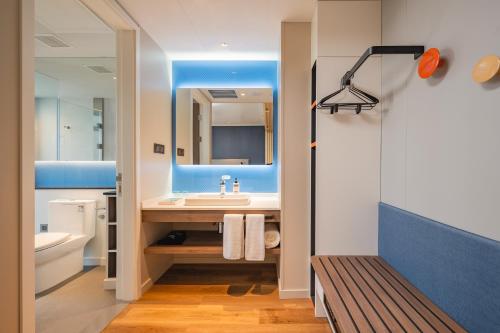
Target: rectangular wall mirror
[
  {"x": 75, "y": 108},
  {"x": 232, "y": 126}
]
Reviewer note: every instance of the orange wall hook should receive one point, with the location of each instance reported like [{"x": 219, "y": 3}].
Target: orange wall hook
[
  {"x": 486, "y": 68},
  {"x": 429, "y": 63}
]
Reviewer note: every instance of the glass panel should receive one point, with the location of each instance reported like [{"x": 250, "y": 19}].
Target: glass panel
[
  {"x": 75, "y": 109},
  {"x": 231, "y": 126},
  {"x": 79, "y": 139}
]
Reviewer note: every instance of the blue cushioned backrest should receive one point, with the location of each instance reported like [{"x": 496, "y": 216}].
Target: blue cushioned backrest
[
  {"x": 457, "y": 270},
  {"x": 60, "y": 175}
]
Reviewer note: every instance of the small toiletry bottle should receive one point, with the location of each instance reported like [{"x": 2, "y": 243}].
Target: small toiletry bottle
[
  {"x": 222, "y": 186},
  {"x": 236, "y": 186}
]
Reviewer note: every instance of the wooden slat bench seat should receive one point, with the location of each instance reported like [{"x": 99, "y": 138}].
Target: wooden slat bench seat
[{"x": 365, "y": 294}]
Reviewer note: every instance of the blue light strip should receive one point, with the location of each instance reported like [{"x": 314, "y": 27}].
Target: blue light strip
[{"x": 74, "y": 175}]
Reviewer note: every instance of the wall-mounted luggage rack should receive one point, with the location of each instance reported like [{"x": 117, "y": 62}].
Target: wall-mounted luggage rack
[{"x": 367, "y": 101}]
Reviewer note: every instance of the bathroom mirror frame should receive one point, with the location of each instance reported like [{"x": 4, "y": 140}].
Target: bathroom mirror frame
[{"x": 235, "y": 126}]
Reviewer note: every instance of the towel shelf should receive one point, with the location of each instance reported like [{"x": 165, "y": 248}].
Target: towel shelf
[{"x": 197, "y": 242}]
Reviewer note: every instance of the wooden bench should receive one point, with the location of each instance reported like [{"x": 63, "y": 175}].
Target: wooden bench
[{"x": 365, "y": 294}]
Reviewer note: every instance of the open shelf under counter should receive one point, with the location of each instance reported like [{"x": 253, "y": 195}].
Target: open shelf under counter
[{"x": 197, "y": 242}]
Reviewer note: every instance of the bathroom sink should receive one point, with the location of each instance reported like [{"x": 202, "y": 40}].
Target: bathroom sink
[{"x": 214, "y": 199}]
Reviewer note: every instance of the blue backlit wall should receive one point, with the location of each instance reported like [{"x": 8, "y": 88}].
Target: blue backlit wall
[
  {"x": 226, "y": 74},
  {"x": 75, "y": 174}
]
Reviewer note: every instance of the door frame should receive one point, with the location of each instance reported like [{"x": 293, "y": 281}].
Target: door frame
[
  {"x": 196, "y": 107},
  {"x": 128, "y": 273},
  {"x": 27, "y": 165},
  {"x": 128, "y": 286}
]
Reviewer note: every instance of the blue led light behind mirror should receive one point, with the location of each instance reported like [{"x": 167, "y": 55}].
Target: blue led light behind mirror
[{"x": 218, "y": 75}]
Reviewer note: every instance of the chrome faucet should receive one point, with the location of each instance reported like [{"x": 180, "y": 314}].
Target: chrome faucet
[{"x": 222, "y": 184}]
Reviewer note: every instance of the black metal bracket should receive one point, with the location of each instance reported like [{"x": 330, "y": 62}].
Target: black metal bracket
[{"x": 416, "y": 50}]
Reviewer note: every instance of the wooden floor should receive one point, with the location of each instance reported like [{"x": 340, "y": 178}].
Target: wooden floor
[{"x": 218, "y": 298}]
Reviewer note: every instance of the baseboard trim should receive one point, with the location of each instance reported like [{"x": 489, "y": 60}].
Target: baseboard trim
[
  {"x": 146, "y": 285},
  {"x": 109, "y": 283},
  {"x": 94, "y": 261},
  {"x": 294, "y": 293}
]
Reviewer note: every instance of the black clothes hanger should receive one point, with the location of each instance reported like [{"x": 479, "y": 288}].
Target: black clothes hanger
[{"x": 367, "y": 101}]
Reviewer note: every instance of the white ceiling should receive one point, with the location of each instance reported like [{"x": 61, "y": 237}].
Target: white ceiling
[
  {"x": 75, "y": 25},
  {"x": 195, "y": 29}
]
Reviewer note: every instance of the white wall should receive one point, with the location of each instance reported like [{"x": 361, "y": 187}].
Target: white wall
[
  {"x": 205, "y": 126},
  {"x": 295, "y": 159},
  {"x": 348, "y": 150},
  {"x": 45, "y": 86},
  {"x": 46, "y": 129},
  {"x": 155, "y": 118},
  {"x": 238, "y": 114},
  {"x": 440, "y": 137},
  {"x": 95, "y": 251},
  {"x": 184, "y": 125},
  {"x": 46, "y": 90},
  {"x": 77, "y": 136},
  {"x": 109, "y": 123}
]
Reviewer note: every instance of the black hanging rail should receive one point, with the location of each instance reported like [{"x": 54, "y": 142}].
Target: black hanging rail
[
  {"x": 367, "y": 101},
  {"x": 416, "y": 50}
]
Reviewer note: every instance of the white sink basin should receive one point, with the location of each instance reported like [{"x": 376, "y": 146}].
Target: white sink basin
[{"x": 213, "y": 199}]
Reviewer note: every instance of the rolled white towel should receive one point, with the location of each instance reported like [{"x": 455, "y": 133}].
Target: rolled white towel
[
  {"x": 254, "y": 238},
  {"x": 233, "y": 237},
  {"x": 271, "y": 235}
]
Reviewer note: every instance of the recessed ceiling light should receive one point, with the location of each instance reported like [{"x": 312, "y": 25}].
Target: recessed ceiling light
[
  {"x": 224, "y": 44},
  {"x": 114, "y": 77}
]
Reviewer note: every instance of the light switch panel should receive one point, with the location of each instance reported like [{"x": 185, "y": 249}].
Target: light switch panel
[{"x": 159, "y": 148}]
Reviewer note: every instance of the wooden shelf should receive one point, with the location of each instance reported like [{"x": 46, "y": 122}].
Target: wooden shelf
[
  {"x": 209, "y": 216},
  {"x": 197, "y": 242}
]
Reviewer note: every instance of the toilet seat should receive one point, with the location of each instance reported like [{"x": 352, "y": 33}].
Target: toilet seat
[
  {"x": 59, "y": 262},
  {"x": 72, "y": 243},
  {"x": 49, "y": 239}
]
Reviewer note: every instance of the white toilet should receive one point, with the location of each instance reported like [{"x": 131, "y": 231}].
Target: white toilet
[{"x": 59, "y": 252}]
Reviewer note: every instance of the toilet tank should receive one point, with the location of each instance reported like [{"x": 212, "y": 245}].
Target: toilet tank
[{"x": 77, "y": 217}]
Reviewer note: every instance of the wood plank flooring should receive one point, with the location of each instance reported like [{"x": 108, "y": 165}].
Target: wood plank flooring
[{"x": 218, "y": 298}]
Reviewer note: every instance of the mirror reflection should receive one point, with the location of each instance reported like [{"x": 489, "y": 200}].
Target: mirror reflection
[
  {"x": 75, "y": 109},
  {"x": 231, "y": 126}
]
